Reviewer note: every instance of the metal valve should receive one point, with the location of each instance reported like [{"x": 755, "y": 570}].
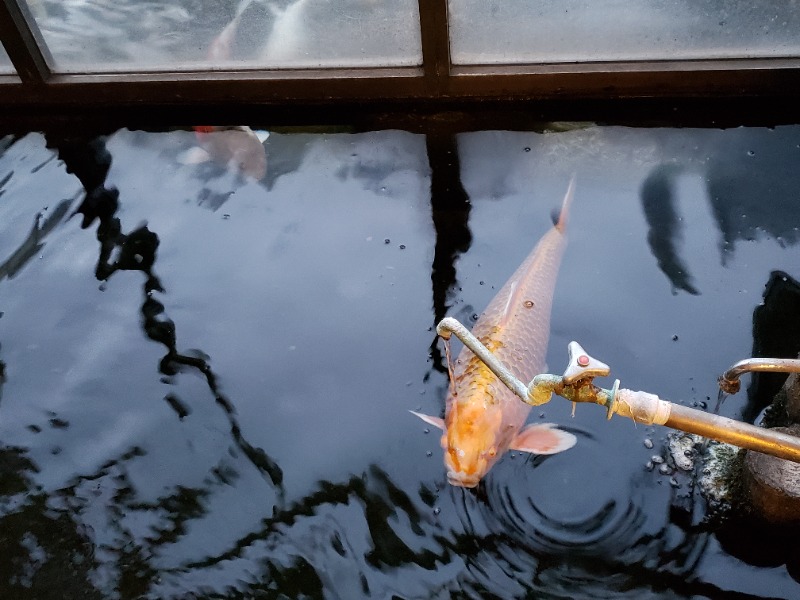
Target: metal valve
[{"x": 582, "y": 366}]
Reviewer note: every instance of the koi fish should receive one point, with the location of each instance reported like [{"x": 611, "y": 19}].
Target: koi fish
[
  {"x": 483, "y": 418},
  {"x": 238, "y": 149}
]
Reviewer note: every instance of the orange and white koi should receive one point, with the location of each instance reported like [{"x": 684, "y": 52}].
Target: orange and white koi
[
  {"x": 238, "y": 149},
  {"x": 483, "y": 418}
]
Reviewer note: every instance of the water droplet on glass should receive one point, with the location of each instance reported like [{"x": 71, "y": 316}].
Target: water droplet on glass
[
  {"x": 664, "y": 470},
  {"x": 102, "y": 287},
  {"x": 656, "y": 459},
  {"x": 649, "y": 466},
  {"x": 426, "y": 430},
  {"x": 648, "y": 443},
  {"x": 675, "y": 338},
  {"x": 429, "y": 454},
  {"x": 750, "y": 153},
  {"x": 474, "y": 317},
  {"x": 402, "y": 246},
  {"x": 437, "y": 510},
  {"x": 481, "y": 283},
  {"x": 527, "y": 149},
  {"x": 387, "y": 241}
]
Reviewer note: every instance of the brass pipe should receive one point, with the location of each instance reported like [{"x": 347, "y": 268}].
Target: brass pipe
[
  {"x": 737, "y": 433},
  {"x": 729, "y": 380}
]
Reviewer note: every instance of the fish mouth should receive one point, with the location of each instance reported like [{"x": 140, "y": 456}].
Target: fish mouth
[{"x": 462, "y": 479}]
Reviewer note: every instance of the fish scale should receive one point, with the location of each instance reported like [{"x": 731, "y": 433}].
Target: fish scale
[{"x": 515, "y": 327}]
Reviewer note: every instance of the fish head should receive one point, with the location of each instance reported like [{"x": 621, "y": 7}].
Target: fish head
[{"x": 472, "y": 443}]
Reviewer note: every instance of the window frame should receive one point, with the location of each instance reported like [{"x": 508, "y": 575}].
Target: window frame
[{"x": 437, "y": 81}]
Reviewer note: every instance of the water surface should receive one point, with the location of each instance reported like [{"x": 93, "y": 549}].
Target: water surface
[{"x": 206, "y": 378}]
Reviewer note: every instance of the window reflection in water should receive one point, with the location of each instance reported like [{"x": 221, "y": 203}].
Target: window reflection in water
[
  {"x": 103, "y": 35},
  {"x": 499, "y": 31}
]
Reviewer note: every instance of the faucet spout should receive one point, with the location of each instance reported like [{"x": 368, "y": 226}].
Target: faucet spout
[{"x": 729, "y": 380}]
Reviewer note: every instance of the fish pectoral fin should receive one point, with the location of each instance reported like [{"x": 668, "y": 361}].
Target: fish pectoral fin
[
  {"x": 543, "y": 438},
  {"x": 435, "y": 421},
  {"x": 194, "y": 156}
]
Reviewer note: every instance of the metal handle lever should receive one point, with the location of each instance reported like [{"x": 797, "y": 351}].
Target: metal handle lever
[{"x": 582, "y": 366}]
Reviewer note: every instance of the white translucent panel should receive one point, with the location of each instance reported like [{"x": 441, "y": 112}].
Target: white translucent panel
[
  {"x": 148, "y": 35},
  {"x": 536, "y": 31},
  {"x": 5, "y": 63}
]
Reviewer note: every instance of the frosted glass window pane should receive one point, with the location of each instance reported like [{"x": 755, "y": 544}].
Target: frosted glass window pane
[
  {"x": 537, "y": 31},
  {"x": 5, "y": 63},
  {"x": 136, "y": 35}
]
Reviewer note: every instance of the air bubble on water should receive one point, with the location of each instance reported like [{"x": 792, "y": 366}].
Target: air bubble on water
[
  {"x": 429, "y": 454},
  {"x": 437, "y": 510},
  {"x": 657, "y": 459},
  {"x": 426, "y": 430},
  {"x": 750, "y": 153},
  {"x": 648, "y": 443},
  {"x": 474, "y": 316},
  {"x": 102, "y": 287},
  {"x": 649, "y": 466},
  {"x": 665, "y": 470}
]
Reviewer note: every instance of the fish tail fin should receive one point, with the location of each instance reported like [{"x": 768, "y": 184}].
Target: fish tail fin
[{"x": 561, "y": 217}]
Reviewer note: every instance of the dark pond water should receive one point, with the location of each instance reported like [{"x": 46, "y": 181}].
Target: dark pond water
[{"x": 206, "y": 379}]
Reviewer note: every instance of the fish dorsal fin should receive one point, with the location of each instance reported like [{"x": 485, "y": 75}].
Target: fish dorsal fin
[
  {"x": 543, "y": 438},
  {"x": 435, "y": 421},
  {"x": 510, "y": 307},
  {"x": 560, "y": 223}
]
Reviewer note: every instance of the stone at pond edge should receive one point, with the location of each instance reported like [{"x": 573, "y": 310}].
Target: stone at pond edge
[
  {"x": 792, "y": 389},
  {"x": 773, "y": 485}
]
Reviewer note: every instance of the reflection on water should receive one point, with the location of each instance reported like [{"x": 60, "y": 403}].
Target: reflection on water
[
  {"x": 751, "y": 190},
  {"x": 206, "y": 376},
  {"x": 106, "y": 35}
]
